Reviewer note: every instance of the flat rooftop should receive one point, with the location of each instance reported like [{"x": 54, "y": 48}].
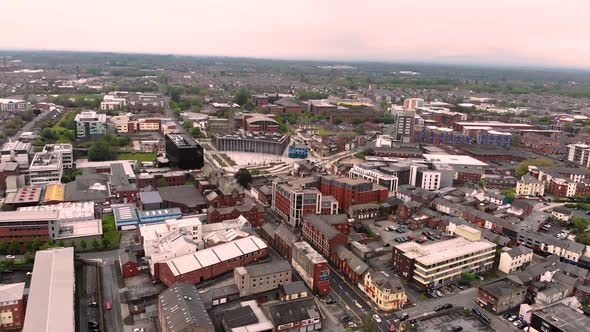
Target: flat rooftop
[
  {"x": 564, "y": 318},
  {"x": 77, "y": 210},
  {"x": 440, "y": 251},
  {"x": 453, "y": 159},
  {"x": 51, "y": 298},
  {"x": 74, "y": 229},
  {"x": 309, "y": 252},
  {"x": 26, "y": 216}
]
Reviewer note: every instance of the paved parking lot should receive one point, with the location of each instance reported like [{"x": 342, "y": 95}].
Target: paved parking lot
[{"x": 448, "y": 322}]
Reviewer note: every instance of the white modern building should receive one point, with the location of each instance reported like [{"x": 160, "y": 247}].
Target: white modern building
[
  {"x": 579, "y": 153},
  {"x": 90, "y": 125},
  {"x": 15, "y": 151},
  {"x": 370, "y": 171},
  {"x": 46, "y": 168},
  {"x": 66, "y": 151},
  {"x": 13, "y": 104}
]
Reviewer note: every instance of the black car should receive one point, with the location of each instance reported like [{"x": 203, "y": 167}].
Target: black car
[
  {"x": 346, "y": 319},
  {"x": 486, "y": 318},
  {"x": 404, "y": 317},
  {"x": 447, "y": 306},
  {"x": 506, "y": 315},
  {"x": 476, "y": 312},
  {"x": 93, "y": 324},
  {"x": 330, "y": 300},
  {"x": 438, "y": 308},
  {"x": 457, "y": 328}
]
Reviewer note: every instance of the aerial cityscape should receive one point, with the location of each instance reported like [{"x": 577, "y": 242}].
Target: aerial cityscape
[{"x": 265, "y": 183}]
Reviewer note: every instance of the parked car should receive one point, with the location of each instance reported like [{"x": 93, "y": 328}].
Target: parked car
[
  {"x": 447, "y": 306},
  {"x": 439, "y": 293},
  {"x": 10, "y": 257},
  {"x": 404, "y": 316},
  {"x": 438, "y": 308},
  {"x": 92, "y": 304},
  {"x": 386, "y": 244},
  {"x": 475, "y": 312},
  {"x": 330, "y": 300},
  {"x": 457, "y": 328},
  {"x": 377, "y": 318},
  {"x": 506, "y": 315},
  {"x": 346, "y": 319},
  {"x": 512, "y": 318}
]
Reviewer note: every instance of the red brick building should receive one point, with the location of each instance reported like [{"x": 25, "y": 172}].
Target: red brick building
[
  {"x": 12, "y": 306},
  {"x": 175, "y": 178},
  {"x": 248, "y": 209},
  {"x": 338, "y": 221},
  {"x": 129, "y": 269},
  {"x": 312, "y": 267},
  {"x": 321, "y": 235},
  {"x": 349, "y": 264},
  {"x": 211, "y": 262},
  {"x": 283, "y": 241},
  {"x": 284, "y": 106},
  {"x": 26, "y": 225},
  {"x": 349, "y": 191}
]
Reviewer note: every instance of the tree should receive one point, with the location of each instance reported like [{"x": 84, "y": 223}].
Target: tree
[
  {"x": 482, "y": 182},
  {"x": 61, "y": 243},
  {"x": 95, "y": 244},
  {"x": 337, "y": 120},
  {"x": 187, "y": 125},
  {"x": 106, "y": 243},
  {"x": 83, "y": 244},
  {"x": 100, "y": 151},
  {"x": 242, "y": 97},
  {"x": 369, "y": 323},
  {"x": 523, "y": 166},
  {"x": 4, "y": 247},
  {"x": 357, "y": 121},
  {"x": 580, "y": 224},
  {"x": 243, "y": 177},
  {"x": 196, "y": 133},
  {"x": 73, "y": 244},
  {"x": 36, "y": 244},
  {"x": 468, "y": 276},
  {"x": 14, "y": 247},
  {"x": 509, "y": 193}
]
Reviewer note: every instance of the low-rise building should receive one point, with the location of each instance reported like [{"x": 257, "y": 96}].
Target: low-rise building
[
  {"x": 501, "y": 295},
  {"x": 293, "y": 290},
  {"x": 558, "y": 318},
  {"x": 180, "y": 309},
  {"x": 296, "y": 315},
  {"x": 50, "y": 305},
  {"x": 12, "y": 306},
  {"x": 562, "y": 213},
  {"x": 261, "y": 278},
  {"x": 16, "y": 151},
  {"x": 247, "y": 317},
  {"x": 386, "y": 292},
  {"x": 513, "y": 259},
  {"x": 65, "y": 150}
]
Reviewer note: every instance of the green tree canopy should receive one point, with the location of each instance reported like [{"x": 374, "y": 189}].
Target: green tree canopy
[
  {"x": 242, "y": 97},
  {"x": 100, "y": 151},
  {"x": 523, "y": 167},
  {"x": 243, "y": 177}
]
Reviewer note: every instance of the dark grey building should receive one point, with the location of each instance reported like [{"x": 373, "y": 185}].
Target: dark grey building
[
  {"x": 183, "y": 151},
  {"x": 180, "y": 309}
]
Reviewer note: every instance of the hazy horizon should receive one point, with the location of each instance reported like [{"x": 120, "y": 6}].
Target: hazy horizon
[{"x": 500, "y": 33}]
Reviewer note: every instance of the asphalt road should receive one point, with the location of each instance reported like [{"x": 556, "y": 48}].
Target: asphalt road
[
  {"x": 357, "y": 304},
  {"x": 29, "y": 125},
  {"x": 110, "y": 293}
]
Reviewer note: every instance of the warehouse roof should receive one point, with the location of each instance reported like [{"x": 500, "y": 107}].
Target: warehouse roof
[
  {"x": 182, "y": 308},
  {"x": 267, "y": 268},
  {"x": 16, "y": 216},
  {"x": 51, "y": 298},
  {"x": 224, "y": 252}
]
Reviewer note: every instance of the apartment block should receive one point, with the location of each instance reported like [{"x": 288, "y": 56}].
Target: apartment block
[
  {"x": 579, "y": 153},
  {"x": 90, "y": 125},
  {"x": 529, "y": 186},
  {"x": 436, "y": 263}
]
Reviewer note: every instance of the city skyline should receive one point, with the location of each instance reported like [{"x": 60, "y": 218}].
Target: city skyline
[{"x": 453, "y": 32}]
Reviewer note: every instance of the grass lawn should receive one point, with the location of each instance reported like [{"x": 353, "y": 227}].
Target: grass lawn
[
  {"x": 111, "y": 235},
  {"x": 141, "y": 156}
]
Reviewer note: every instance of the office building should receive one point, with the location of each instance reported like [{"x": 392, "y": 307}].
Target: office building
[
  {"x": 261, "y": 278},
  {"x": 46, "y": 168},
  {"x": 15, "y": 151},
  {"x": 436, "y": 263},
  {"x": 26, "y": 225},
  {"x": 259, "y": 142},
  {"x": 90, "y": 126},
  {"x": 349, "y": 191},
  {"x": 376, "y": 172},
  {"x": 65, "y": 150},
  {"x": 293, "y": 199},
  {"x": 50, "y": 306},
  {"x": 183, "y": 151},
  {"x": 312, "y": 267},
  {"x": 298, "y": 151}
]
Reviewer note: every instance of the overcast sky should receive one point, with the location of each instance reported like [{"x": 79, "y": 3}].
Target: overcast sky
[{"x": 530, "y": 32}]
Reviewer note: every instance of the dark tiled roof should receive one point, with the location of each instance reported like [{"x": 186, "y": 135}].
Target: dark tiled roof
[{"x": 182, "y": 308}]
